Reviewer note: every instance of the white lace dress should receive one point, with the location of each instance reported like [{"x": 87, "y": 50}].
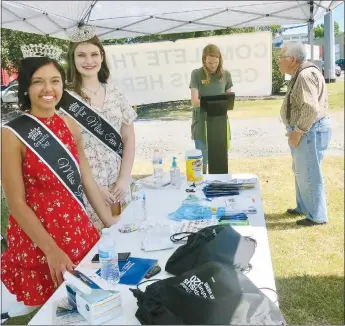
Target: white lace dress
[{"x": 104, "y": 163}]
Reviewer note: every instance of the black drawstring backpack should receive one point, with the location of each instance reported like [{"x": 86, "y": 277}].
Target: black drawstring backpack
[
  {"x": 216, "y": 243},
  {"x": 210, "y": 294}
]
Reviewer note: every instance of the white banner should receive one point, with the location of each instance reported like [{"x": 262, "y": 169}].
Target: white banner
[{"x": 160, "y": 71}]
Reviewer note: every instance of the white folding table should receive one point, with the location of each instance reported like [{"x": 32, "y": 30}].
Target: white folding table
[{"x": 159, "y": 203}]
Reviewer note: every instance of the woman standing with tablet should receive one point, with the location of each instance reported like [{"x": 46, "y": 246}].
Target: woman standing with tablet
[{"x": 210, "y": 79}]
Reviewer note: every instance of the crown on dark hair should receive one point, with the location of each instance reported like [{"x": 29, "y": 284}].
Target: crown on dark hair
[{"x": 41, "y": 50}]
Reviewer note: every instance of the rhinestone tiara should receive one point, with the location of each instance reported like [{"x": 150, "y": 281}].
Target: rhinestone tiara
[
  {"x": 41, "y": 50},
  {"x": 82, "y": 33}
]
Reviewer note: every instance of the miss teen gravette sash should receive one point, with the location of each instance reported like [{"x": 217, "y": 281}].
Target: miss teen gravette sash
[
  {"x": 92, "y": 122},
  {"x": 51, "y": 151}
]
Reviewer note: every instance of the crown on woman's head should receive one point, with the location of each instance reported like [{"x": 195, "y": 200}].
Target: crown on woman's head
[
  {"x": 81, "y": 33},
  {"x": 41, "y": 50}
]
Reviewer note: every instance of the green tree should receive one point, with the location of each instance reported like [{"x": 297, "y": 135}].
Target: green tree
[
  {"x": 319, "y": 30},
  {"x": 230, "y": 30},
  {"x": 278, "y": 79},
  {"x": 11, "y": 42}
]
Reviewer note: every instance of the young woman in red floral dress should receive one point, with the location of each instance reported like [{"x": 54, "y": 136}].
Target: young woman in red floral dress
[{"x": 48, "y": 231}]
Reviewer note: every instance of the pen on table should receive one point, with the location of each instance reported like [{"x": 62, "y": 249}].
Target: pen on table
[
  {"x": 128, "y": 263},
  {"x": 126, "y": 268}
]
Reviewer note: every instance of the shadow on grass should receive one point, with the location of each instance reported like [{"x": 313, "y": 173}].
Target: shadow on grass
[
  {"x": 281, "y": 93},
  {"x": 21, "y": 320},
  {"x": 283, "y": 221},
  {"x": 276, "y": 217},
  {"x": 307, "y": 300},
  {"x": 181, "y": 110},
  {"x": 278, "y": 222}
]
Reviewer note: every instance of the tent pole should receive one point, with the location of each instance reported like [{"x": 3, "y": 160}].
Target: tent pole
[
  {"x": 311, "y": 39},
  {"x": 329, "y": 49},
  {"x": 86, "y": 17},
  {"x": 310, "y": 30}
]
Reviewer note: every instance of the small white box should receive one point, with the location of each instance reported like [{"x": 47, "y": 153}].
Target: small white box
[
  {"x": 98, "y": 308},
  {"x": 95, "y": 304}
]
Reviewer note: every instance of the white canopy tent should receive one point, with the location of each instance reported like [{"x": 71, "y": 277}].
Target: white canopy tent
[{"x": 123, "y": 19}]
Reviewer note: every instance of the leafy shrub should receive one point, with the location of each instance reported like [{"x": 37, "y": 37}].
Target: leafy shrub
[{"x": 278, "y": 79}]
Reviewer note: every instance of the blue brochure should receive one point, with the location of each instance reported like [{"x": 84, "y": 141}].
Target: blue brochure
[{"x": 134, "y": 269}]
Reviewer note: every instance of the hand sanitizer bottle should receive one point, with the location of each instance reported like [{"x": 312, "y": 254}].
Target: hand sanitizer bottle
[{"x": 175, "y": 178}]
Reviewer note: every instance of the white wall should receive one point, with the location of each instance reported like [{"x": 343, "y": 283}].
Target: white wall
[{"x": 160, "y": 72}]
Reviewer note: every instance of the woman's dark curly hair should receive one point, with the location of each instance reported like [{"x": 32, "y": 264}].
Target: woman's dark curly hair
[{"x": 27, "y": 68}]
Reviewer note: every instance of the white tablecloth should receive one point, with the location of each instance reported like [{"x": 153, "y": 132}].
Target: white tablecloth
[{"x": 159, "y": 203}]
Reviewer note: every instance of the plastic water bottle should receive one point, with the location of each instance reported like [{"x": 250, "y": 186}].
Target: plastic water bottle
[
  {"x": 138, "y": 202},
  {"x": 108, "y": 258},
  {"x": 175, "y": 178},
  {"x": 157, "y": 164}
]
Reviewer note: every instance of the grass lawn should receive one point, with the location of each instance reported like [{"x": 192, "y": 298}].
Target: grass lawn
[
  {"x": 243, "y": 109},
  {"x": 308, "y": 262}
]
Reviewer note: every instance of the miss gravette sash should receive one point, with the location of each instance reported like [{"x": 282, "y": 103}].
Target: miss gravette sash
[
  {"x": 92, "y": 122},
  {"x": 51, "y": 151}
]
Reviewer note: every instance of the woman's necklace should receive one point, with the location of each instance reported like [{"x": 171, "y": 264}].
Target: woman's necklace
[{"x": 93, "y": 92}]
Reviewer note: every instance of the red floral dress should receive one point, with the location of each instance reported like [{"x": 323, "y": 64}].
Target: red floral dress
[{"x": 24, "y": 268}]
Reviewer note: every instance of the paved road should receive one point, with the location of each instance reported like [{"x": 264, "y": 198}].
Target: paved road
[{"x": 250, "y": 137}]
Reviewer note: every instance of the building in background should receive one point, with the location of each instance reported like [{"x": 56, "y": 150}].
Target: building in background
[
  {"x": 284, "y": 38},
  {"x": 338, "y": 45},
  {"x": 303, "y": 37},
  {"x": 279, "y": 41}
]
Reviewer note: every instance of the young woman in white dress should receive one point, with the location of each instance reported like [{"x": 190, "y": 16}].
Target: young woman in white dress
[{"x": 88, "y": 77}]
